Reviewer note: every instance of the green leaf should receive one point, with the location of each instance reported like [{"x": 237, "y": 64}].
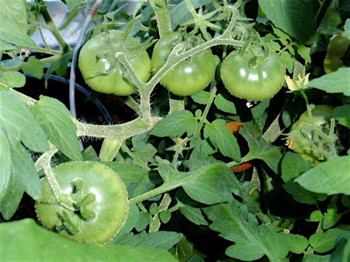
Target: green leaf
[
  {"x": 330, "y": 177},
  {"x": 295, "y": 17},
  {"x": 20, "y": 123},
  {"x": 56, "y": 120},
  {"x": 32, "y": 240},
  {"x": 11, "y": 33},
  {"x": 128, "y": 173},
  {"x": 176, "y": 124},
  {"x": 304, "y": 52},
  {"x": 335, "y": 82},
  {"x": 342, "y": 114},
  {"x": 222, "y": 138},
  {"x": 203, "y": 97},
  {"x": 302, "y": 195},
  {"x": 224, "y": 104},
  {"x": 15, "y": 11},
  {"x": 252, "y": 241},
  {"x": 5, "y": 162},
  {"x": 293, "y": 165},
  {"x": 180, "y": 13},
  {"x": 194, "y": 215},
  {"x": 261, "y": 149},
  {"x": 34, "y": 67},
  {"x": 161, "y": 240},
  {"x": 323, "y": 242},
  {"x": 12, "y": 79}
]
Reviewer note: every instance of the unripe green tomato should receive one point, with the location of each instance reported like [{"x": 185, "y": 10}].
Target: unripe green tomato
[
  {"x": 103, "y": 73},
  {"x": 336, "y": 51},
  {"x": 253, "y": 80},
  {"x": 299, "y": 143},
  {"x": 101, "y": 203},
  {"x": 189, "y": 76}
]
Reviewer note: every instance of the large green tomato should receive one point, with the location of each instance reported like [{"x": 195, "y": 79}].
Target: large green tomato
[
  {"x": 100, "y": 203},
  {"x": 302, "y": 133},
  {"x": 251, "y": 78},
  {"x": 189, "y": 76},
  {"x": 338, "y": 51},
  {"x": 100, "y": 69}
]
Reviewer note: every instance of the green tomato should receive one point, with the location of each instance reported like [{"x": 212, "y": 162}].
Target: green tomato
[
  {"x": 337, "y": 52},
  {"x": 253, "y": 79},
  {"x": 189, "y": 76},
  {"x": 303, "y": 133},
  {"x": 103, "y": 73},
  {"x": 100, "y": 203}
]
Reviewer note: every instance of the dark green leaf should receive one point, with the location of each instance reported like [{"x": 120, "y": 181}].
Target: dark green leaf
[
  {"x": 56, "y": 120},
  {"x": 202, "y": 97},
  {"x": 342, "y": 114},
  {"x": 335, "y": 82},
  {"x": 252, "y": 241},
  {"x": 39, "y": 244},
  {"x": 128, "y": 173},
  {"x": 325, "y": 241},
  {"x": 194, "y": 215},
  {"x": 162, "y": 240},
  {"x": 295, "y": 17},
  {"x": 330, "y": 177},
  {"x": 222, "y": 138},
  {"x": 260, "y": 149},
  {"x": 293, "y": 165},
  {"x": 176, "y": 124}
]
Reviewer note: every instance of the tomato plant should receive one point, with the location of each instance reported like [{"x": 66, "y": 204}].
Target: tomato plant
[
  {"x": 253, "y": 78},
  {"x": 308, "y": 134},
  {"x": 101, "y": 70},
  {"x": 338, "y": 51},
  {"x": 99, "y": 203},
  {"x": 189, "y": 76}
]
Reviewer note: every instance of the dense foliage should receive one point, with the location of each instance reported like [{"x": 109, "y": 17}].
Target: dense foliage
[{"x": 234, "y": 147}]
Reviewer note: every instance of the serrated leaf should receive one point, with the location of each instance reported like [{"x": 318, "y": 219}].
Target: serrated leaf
[
  {"x": 55, "y": 119},
  {"x": 176, "y": 124},
  {"x": 16, "y": 11},
  {"x": 11, "y": 33},
  {"x": 19, "y": 122},
  {"x": 252, "y": 241},
  {"x": 261, "y": 149},
  {"x": 222, "y": 138},
  {"x": 342, "y": 114},
  {"x": 224, "y": 104},
  {"x": 295, "y": 17},
  {"x": 33, "y": 67},
  {"x": 330, "y": 177},
  {"x": 335, "y": 82}
]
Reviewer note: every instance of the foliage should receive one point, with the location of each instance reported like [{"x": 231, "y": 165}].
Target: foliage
[{"x": 199, "y": 188}]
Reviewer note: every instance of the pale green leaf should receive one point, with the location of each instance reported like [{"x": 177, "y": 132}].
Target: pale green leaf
[
  {"x": 330, "y": 177},
  {"x": 15, "y": 11},
  {"x": 325, "y": 241},
  {"x": 11, "y": 33},
  {"x": 34, "y": 67},
  {"x": 12, "y": 79},
  {"x": 202, "y": 97},
  {"x": 335, "y": 82}
]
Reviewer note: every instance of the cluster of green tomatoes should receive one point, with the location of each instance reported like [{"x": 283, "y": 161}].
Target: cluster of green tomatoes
[{"x": 253, "y": 79}]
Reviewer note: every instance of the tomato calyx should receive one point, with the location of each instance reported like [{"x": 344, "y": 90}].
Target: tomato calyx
[{"x": 76, "y": 202}]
